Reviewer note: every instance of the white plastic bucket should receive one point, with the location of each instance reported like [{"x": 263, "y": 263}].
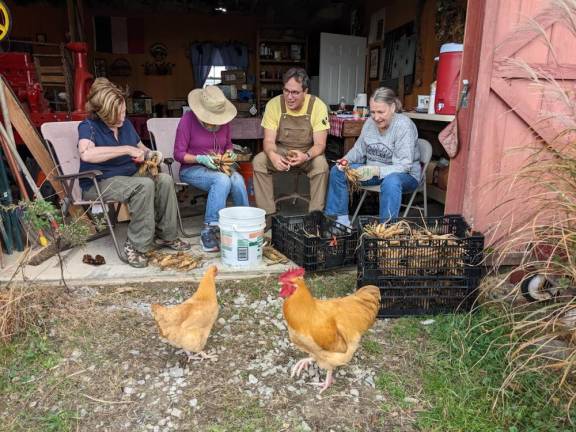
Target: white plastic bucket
[{"x": 241, "y": 235}]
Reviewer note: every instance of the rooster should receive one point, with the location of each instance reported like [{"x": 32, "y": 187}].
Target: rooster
[
  {"x": 188, "y": 324},
  {"x": 328, "y": 330}
]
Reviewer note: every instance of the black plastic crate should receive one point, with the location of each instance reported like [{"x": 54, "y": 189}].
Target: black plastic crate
[
  {"x": 418, "y": 277},
  {"x": 314, "y": 241}
]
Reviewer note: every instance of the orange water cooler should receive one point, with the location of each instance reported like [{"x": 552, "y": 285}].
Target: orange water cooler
[
  {"x": 448, "y": 78},
  {"x": 246, "y": 171}
]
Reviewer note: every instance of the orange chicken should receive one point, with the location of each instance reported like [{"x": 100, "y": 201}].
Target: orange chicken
[
  {"x": 188, "y": 324},
  {"x": 328, "y": 330}
]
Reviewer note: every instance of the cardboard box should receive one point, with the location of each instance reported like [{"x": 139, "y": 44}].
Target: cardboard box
[{"x": 233, "y": 76}]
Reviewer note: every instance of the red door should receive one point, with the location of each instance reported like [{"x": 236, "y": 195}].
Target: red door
[{"x": 506, "y": 113}]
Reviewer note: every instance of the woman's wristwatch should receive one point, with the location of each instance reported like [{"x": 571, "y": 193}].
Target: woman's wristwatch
[{"x": 308, "y": 156}]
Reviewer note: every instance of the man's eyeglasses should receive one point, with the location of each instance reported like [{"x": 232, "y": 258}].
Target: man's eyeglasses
[{"x": 294, "y": 93}]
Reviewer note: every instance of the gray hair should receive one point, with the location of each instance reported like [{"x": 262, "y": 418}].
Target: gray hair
[
  {"x": 384, "y": 94},
  {"x": 299, "y": 75}
]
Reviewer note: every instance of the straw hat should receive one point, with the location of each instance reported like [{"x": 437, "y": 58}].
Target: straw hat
[{"x": 211, "y": 106}]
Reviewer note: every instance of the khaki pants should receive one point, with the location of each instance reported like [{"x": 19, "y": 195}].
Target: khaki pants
[
  {"x": 316, "y": 170},
  {"x": 152, "y": 206}
]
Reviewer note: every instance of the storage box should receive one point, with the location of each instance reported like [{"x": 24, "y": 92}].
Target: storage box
[
  {"x": 233, "y": 76},
  {"x": 314, "y": 241},
  {"x": 423, "y": 276}
]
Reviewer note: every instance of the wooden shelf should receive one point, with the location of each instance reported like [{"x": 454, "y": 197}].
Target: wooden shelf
[
  {"x": 269, "y": 65},
  {"x": 272, "y": 61},
  {"x": 287, "y": 41}
]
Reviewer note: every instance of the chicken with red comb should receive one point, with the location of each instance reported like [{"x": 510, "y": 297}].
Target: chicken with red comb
[{"x": 328, "y": 330}]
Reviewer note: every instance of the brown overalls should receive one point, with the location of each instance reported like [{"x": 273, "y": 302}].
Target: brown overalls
[{"x": 294, "y": 133}]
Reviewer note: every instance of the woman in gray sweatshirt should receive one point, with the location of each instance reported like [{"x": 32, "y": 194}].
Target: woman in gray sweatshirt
[{"x": 386, "y": 154}]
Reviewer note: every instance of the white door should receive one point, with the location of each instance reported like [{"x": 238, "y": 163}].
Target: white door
[{"x": 342, "y": 67}]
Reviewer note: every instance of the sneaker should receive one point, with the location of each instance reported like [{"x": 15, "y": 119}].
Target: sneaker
[
  {"x": 177, "y": 245},
  {"x": 209, "y": 239},
  {"x": 135, "y": 258}
]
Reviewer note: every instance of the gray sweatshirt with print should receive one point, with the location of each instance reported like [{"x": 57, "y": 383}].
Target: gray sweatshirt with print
[{"x": 394, "y": 151}]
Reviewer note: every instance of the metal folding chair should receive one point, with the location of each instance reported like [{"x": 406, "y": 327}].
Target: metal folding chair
[
  {"x": 425, "y": 156},
  {"x": 62, "y": 138},
  {"x": 163, "y": 134}
]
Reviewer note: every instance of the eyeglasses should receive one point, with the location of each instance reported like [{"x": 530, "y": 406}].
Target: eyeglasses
[{"x": 294, "y": 93}]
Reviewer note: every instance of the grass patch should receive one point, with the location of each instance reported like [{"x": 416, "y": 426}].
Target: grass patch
[
  {"x": 391, "y": 384},
  {"x": 24, "y": 360},
  {"x": 371, "y": 347},
  {"x": 247, "y": 418},
  {"x": 463, "y": 370}
]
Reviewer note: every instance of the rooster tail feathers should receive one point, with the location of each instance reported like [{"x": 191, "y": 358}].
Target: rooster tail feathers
[{"x": 370, "y": 296}]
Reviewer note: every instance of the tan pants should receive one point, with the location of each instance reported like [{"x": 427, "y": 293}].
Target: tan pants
[
  {"x": 152, "y": 206},
  {"x": 316, "y": 170}
]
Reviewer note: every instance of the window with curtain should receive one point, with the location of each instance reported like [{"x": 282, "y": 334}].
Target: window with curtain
[
  {"x": 209, "y": 59},
  {"x": 215, "y": 75}
]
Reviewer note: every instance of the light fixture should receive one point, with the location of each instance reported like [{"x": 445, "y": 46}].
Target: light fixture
[{"x": 220, "y": 7}]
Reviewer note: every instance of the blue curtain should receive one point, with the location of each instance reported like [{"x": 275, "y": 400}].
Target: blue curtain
[
  {"x": 201, "y": 56},
  {"x": 205, "y": 55},
  {"x": 234, "y": 55}
]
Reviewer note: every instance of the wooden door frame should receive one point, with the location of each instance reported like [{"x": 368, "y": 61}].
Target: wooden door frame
[{"x": 476, "y": 14}]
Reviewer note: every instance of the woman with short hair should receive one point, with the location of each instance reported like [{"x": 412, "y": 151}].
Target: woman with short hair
[
  {"x": 110, "y": 144},
  {"x": 386, "y": 153}
]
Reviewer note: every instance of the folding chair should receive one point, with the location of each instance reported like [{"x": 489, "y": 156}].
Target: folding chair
[
  {"x": 62, "y": 138},
  {"x": 162, "y": 135},
  {"x": 425, "y": 156}
]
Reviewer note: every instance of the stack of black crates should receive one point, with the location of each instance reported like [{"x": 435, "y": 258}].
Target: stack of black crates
[
  {"x": 420, "y": 277},
  {"x": 314, "y": 241}
]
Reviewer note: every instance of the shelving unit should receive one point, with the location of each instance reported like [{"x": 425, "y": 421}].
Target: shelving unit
[{"x": 277, "y": 51}]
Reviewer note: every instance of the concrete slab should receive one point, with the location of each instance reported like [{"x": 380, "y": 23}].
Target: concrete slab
[{"x": 117, "y": 272}]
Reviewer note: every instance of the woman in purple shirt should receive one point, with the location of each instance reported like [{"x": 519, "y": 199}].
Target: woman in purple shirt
[{"x": 201, "y": 132}]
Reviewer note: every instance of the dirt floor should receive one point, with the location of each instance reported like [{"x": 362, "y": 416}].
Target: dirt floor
[{"x": 107, "y": 370}]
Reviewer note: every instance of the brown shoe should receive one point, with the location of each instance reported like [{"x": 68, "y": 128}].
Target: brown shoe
[{"x": 135, "y": 258}]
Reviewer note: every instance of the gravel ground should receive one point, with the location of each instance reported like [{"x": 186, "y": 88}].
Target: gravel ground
[{"x": 112, "y": 372}]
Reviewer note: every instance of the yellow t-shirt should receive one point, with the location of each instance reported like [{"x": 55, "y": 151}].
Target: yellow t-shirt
[{"x": 319, "y": 117}]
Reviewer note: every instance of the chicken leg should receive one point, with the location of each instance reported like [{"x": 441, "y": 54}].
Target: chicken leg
[
  {"x": 201, "y": 356},
  {"x": 327, "y": 383},
  {"x": 301, "y": 365}
]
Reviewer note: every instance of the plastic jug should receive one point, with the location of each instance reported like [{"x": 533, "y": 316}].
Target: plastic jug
[
  {"x": 446, "y": 97},
  {"x": 360, "y": 105}
]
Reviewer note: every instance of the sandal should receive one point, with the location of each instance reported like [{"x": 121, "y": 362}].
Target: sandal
[
  {"x": 135, "y": 258},
  {"x": 177, "y": 244}
]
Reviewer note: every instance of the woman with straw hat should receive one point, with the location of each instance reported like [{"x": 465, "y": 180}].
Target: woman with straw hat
[{"x": 202, "y": 132}]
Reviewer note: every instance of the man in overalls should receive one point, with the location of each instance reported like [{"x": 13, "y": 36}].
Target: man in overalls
[{"x": 295, "y": 131}]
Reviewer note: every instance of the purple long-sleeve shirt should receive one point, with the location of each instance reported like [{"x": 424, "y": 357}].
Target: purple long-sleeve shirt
[{"x": 195, "y": 139}]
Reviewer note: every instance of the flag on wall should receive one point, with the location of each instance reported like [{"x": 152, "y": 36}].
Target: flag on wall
[{"x": 118, "y": 35}]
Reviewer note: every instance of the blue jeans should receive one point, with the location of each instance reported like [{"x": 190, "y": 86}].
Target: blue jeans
[
  {"x": 391, "y": 189},
  {"x": 219, "y": 186}
]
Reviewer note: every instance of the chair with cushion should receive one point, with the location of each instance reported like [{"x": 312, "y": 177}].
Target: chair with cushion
[
  {"x": 62, "y": 138},
  {"x": 425, "y": 156},
  {"x": 162, "y": 135}
]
